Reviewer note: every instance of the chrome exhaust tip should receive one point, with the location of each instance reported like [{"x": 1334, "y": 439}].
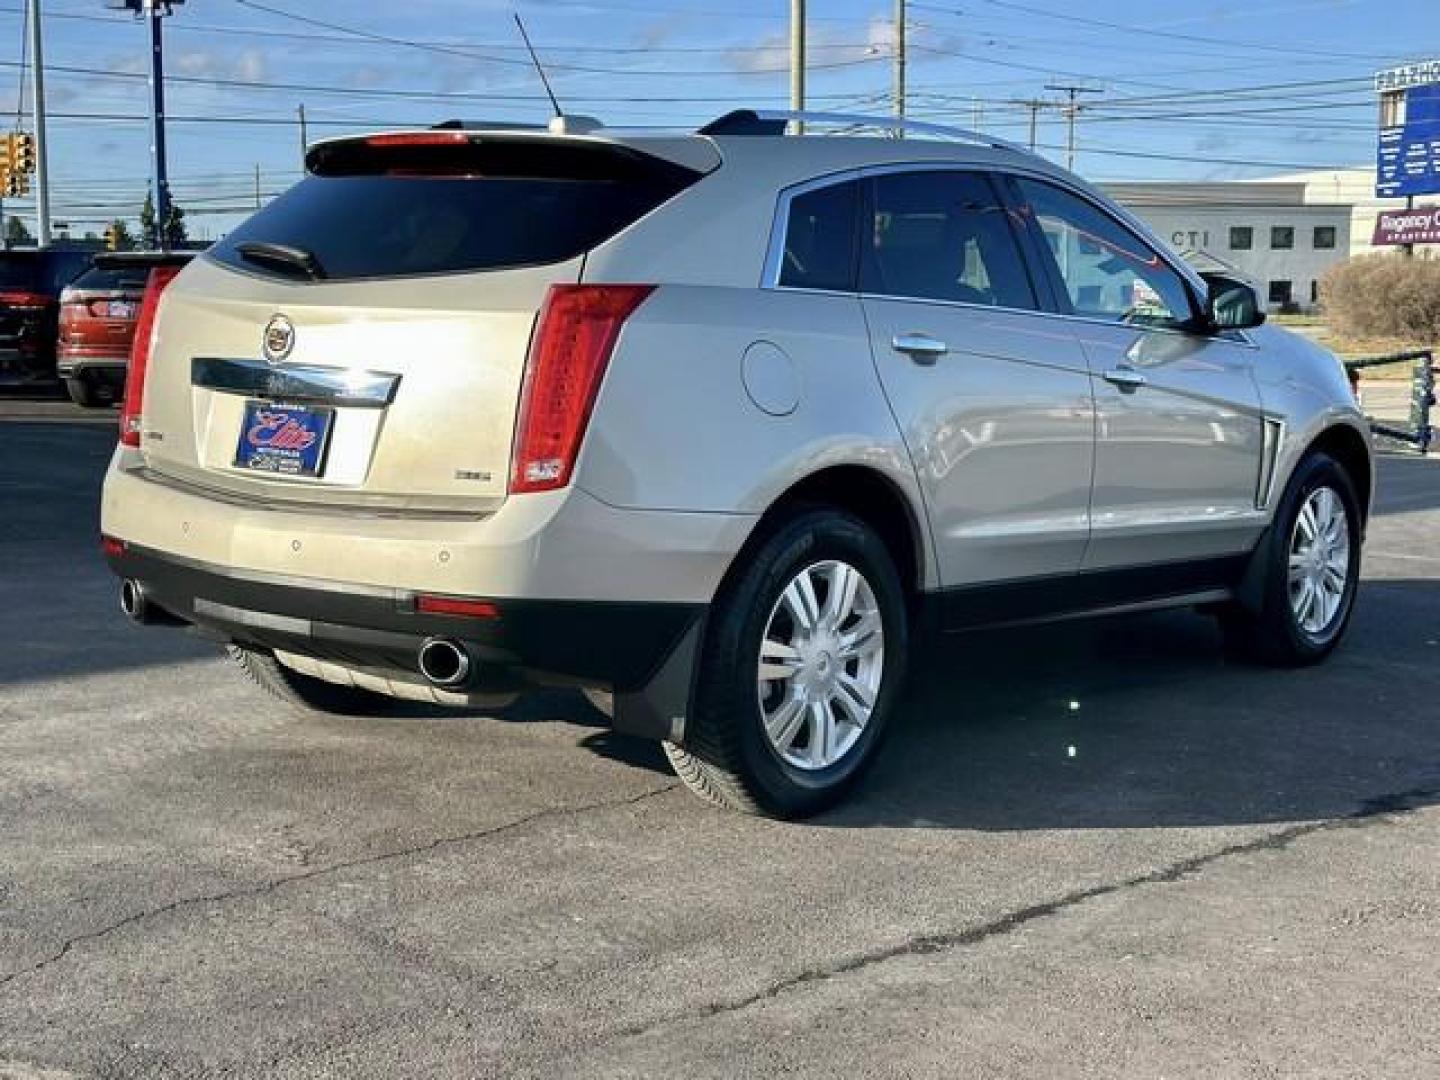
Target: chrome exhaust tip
[
  {"x": 135, "y": 602},
  {"x": 444, "y": 663},
  {"x": 132, "y": 600}
]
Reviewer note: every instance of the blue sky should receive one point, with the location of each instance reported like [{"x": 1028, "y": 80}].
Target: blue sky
[{"x": 1180, "y": 84}]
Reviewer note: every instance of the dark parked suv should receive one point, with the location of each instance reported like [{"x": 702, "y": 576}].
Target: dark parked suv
[{"x": 30, "y": 284}]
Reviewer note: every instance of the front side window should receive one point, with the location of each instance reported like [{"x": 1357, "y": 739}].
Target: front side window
[
  {"x": 942, "y": 235},
  {"x": 820, "y": 239},
  {"x": 1242, "y": 238},
  {"x": 1282, "y": 237},
  {"x": 1108, "y": 272}
]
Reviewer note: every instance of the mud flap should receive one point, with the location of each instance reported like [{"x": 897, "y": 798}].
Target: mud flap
[{"x": 659, "y": 708}]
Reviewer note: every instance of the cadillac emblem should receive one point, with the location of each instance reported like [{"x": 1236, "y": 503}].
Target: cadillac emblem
[{"x": 279, "y": 339}]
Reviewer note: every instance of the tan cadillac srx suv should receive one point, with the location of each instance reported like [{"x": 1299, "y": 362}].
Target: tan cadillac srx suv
[{"x": 712, "y": 425}]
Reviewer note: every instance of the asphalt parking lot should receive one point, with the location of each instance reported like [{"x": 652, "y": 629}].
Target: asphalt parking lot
[{"x": 1090, "y": 850}]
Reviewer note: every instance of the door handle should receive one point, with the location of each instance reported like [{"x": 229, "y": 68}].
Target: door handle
[
  {"x": 1125, "y": 378},
  {"x": 922, "y": 348}
]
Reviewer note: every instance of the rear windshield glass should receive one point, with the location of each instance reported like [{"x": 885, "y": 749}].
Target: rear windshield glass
[
  {"x": 387, "y": 214},
  {"x": 113, "y": 279}
]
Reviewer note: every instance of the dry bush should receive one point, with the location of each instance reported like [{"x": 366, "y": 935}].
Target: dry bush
[{"x": 1384, "y": 296}]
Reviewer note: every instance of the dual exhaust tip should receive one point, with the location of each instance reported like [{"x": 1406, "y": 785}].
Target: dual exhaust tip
[{"x": 444, "y": 663}]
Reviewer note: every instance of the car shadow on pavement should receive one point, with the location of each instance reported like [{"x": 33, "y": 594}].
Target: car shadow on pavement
[{"x": 1143, "y": 722}]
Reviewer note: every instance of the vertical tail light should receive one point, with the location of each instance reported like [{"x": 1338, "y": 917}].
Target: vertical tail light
[
  {"x": 131, "y": 418},
  {"x": 574, "y": 338}
]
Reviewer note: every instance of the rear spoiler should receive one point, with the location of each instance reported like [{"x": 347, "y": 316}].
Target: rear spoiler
[{"x": 107, "y": 260}]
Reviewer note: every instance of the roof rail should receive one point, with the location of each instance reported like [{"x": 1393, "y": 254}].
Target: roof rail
[{"x": 772, "y": 123}]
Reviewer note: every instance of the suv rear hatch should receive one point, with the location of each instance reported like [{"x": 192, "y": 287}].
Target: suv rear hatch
[{"x": 362, "y": 340}]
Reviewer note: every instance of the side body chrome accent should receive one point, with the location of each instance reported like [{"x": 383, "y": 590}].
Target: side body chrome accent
[
  {"x": 1273, "y": 438},
  {"x": 334, "y": 386}
]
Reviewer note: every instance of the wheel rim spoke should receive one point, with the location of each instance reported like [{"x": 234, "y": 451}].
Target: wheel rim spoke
[
  {"x": 778, "y": 661},
  {"x": 785, "y": 723}
]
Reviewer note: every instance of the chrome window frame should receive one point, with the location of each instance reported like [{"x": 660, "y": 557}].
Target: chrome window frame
[{"x": 780, "y": 222}]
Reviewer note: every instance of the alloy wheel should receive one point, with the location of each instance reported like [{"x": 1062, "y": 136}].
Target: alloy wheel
[{"x": 821, "y": 662}]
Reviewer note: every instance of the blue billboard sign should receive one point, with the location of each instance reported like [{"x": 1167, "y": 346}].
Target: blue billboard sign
[{"x": 1408, "y": 162}]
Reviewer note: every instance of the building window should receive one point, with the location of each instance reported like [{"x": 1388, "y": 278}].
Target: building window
[
  {"x": 1242, "y": 238},
  {"x": 1282, "y": 237},
  {"x": 1280, "y": 292},
  {"x": 1324, "y": 237}
]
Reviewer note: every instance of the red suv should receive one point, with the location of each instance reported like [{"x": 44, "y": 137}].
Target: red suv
[{"x": 97, "y": 323}]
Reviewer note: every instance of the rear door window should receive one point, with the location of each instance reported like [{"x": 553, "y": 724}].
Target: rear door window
[
  {"x": 403, "y": 211},
  {"x": 820, "y": 239},
  {"x": 113, "y": 279},
  {"x": 943, "y": 235}
]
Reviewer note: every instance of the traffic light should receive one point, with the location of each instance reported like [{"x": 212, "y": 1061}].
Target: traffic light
[
  {"x": 112, "y": 238},
  {"x": 22, "y": 153},
  {"x": 16, "y": 184},
  {"x": 7, "y": 153}
]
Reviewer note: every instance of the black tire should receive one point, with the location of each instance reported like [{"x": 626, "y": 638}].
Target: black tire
[
  {"x": 727, "y": 759},
  {"x": 1273, "y": 634},
  {"x": 84, "y": 393},
  {"x": 305, "y": 693}
]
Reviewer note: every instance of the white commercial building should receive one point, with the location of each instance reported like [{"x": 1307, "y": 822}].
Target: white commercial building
[{"x": 1283, "y": 232}]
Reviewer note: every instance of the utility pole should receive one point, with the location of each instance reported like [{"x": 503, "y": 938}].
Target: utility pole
[
  {"x": 1033, "y": 106},
  {"x": 900, "y": 64},
  {"x": 42, "y": 168},
  {"x": 797, "y": 58},
  {"x": 1072, "y": 110},
  {"x": 304, "y": 136},
  {"x": 257, "y": 186}
]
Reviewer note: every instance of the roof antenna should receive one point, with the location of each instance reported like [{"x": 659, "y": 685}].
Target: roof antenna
[{"x": 559, "y": 113}]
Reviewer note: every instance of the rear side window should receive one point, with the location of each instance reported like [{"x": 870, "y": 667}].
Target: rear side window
[
  {"x": 397, "y": 212},
  {"x": 943, "y": 236},
  {"x": 820, "y": 239}
]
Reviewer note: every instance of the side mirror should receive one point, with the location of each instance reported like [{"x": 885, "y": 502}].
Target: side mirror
[{"x": 1232, "y": 304}]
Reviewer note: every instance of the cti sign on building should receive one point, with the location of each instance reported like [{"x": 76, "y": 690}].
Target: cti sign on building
[{"x": 1408, "y": 161}]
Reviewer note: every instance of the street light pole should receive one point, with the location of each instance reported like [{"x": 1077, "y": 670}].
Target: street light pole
[
  {"x": 900, "y": 64},
  {"x": 797, "y": 58},
  {"x": 42, "y": 167},
  {"x": 154, "y": 11}
]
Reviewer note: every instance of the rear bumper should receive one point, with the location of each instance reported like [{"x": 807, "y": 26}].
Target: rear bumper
[{"x": 532, "y": 642}]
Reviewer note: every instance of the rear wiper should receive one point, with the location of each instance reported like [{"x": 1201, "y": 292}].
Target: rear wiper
[{"x": 282, "y": 257}]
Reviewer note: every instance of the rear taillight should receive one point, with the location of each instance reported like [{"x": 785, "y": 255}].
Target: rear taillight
[
  {"x": 131, "y": 417},
  {"x": 574, "y": 338}
]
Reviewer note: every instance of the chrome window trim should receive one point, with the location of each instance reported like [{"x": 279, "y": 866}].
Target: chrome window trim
[{"x": 299, "y": 382}]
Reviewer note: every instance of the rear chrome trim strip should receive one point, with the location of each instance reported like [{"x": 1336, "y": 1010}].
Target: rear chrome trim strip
[{"x": 292, "y": 382}]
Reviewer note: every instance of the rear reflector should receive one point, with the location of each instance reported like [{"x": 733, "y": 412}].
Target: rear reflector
[
  {"x": 131, "y": 418},
  {"x": 449, "y": 605},
  {"x": 112, "y": 546},
  {"x": 574, "y": 338}
]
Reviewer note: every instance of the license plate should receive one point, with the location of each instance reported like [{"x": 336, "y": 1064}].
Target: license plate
[
  {"x": 121, "y": 309},
  {"x": 286, "y": 440}
]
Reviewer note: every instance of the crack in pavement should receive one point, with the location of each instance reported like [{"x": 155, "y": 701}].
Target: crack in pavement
[
  {"x": 272, "y": 885},
  {"x": 1371, "y": 810}
]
